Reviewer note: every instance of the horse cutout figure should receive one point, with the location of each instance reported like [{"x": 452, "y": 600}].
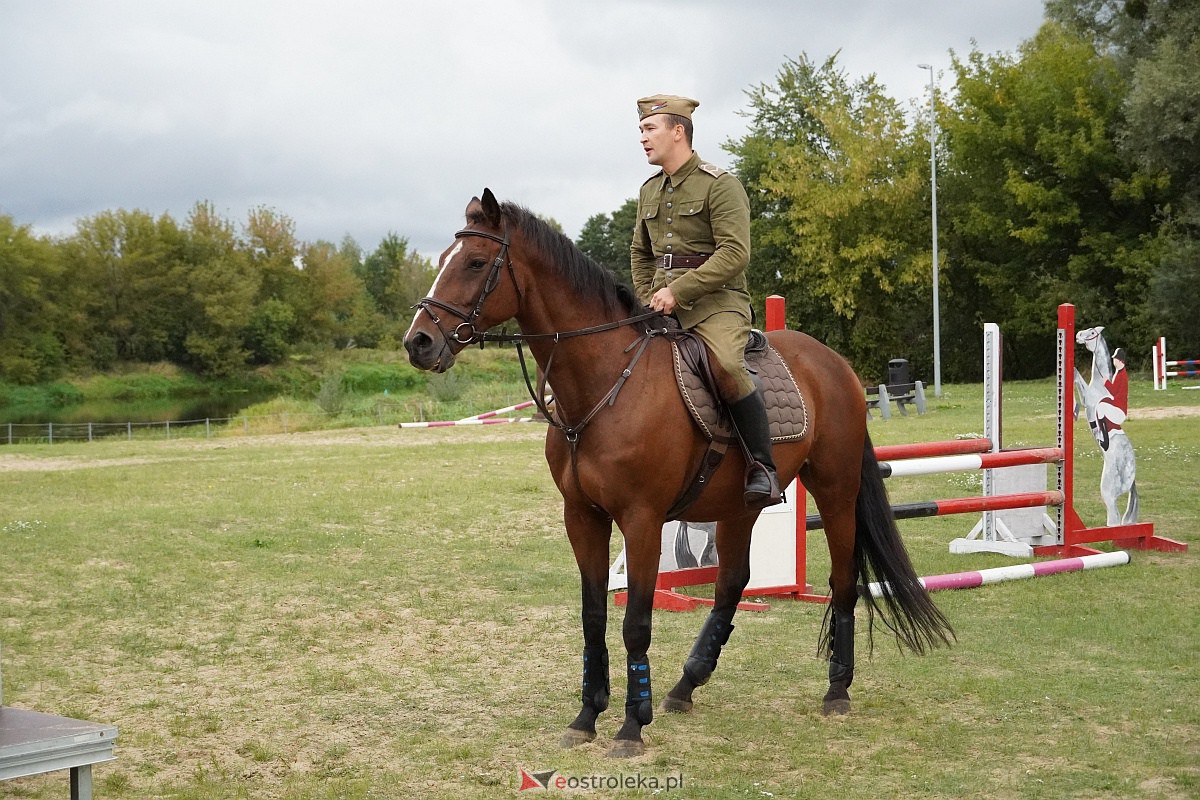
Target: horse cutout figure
[
  {"x": 622, "y": 448},
  {"x": 1120, "y": 468}
]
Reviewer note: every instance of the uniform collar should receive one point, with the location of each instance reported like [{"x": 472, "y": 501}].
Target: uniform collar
[{"x": 681, "y": 174}]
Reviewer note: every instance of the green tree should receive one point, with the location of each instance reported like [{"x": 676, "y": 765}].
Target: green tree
[
  {"x": 1042, "y": 207},
  {"x": 126, "y": 286},
  {"x": 222, "y": 285},
  {"x": 606, "y": 238},
  {"x": 395, "y": 278},
  {"x": 836, "y": 179},
  {"x": 30, "y": 314},
  {"x": 268, "y": 333},
  {"x": 1155, "y": 45}
]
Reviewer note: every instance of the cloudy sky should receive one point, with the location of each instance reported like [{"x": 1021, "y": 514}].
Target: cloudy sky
[{"x": 365, "y": 118}]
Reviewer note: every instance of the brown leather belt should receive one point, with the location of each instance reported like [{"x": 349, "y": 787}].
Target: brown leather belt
[{"x": 670, "y": 261}]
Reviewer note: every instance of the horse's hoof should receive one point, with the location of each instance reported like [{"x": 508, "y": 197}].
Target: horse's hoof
[
  {"x": 675, "y": 705},
  {"x": 627, "y": 748},
  {"x": 575, "y": 738},
  {"x": 836, "y": 708}
]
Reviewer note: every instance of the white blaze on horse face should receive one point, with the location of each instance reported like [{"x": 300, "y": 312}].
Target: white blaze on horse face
[
  {"x": 433, "y": 289},
  {"x": 454, "y": 251}
]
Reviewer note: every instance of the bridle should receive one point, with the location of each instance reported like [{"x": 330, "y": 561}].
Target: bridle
[
  {"x": 493, "y": 279},
  {"x": 473, "y": 334}
]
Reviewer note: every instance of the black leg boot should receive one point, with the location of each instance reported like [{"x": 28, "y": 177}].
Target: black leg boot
[
  {"x": 750, "y": 418},
  {"x": 841, "y": 664}
]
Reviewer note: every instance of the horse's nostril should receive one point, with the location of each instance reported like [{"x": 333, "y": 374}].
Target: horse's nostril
[{"x": 417, "y": 342}]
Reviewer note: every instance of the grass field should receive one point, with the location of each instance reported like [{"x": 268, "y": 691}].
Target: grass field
[{"x": 376, "y": 613}]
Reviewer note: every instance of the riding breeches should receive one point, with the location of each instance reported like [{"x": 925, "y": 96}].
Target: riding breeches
[{"x": 726, "y": 333}]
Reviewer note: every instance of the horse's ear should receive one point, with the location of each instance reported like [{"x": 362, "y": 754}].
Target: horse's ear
[{"x": 491, "y": 208}]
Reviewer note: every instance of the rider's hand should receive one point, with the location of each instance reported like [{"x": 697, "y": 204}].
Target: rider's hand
[{"x": 663, "y": 300}]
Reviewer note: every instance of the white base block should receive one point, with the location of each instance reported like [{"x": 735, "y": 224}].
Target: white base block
[{"x": 1016, "y": 549}]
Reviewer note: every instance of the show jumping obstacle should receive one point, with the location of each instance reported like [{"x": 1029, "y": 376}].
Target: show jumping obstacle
[
  {"x": 486, "y": 418},
  {"x": 1162, "y": 367},
  {"x": 456, "y": 423},
  {"x": 971, "y": 580},
  {"x": 1065, "y": 535}
]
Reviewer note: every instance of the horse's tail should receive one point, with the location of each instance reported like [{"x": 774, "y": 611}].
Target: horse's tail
[{"x": 879, "y": 555}]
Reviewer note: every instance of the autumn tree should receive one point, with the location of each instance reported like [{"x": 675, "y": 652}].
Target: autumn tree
[
  {"x": 339, "y": 309},
  {"x": 271, "y": 250}
]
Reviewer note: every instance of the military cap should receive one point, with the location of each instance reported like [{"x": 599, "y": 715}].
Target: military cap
[{"x": 666, "y": 104}]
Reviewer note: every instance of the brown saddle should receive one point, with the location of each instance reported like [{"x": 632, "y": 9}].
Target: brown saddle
[{"x": 787, "y": 411}]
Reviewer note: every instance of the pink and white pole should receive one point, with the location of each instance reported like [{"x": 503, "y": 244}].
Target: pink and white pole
[
  {"x": 458, "y": 423},
  {"x": 486, "y": 418},
  {"x": 973, "y": 579},
  {"x": 499, "y": 411}
]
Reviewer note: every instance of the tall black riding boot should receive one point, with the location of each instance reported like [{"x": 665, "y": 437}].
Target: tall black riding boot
[{"x": 750, "y": 418}]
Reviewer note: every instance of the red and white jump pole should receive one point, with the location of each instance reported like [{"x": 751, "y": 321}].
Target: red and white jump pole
[
  {"x": 499, "y": 411},
  {"x": 486, "y": 418},
  {"x": 951, "y": 463},
  {"x": 453, "y": 423},
  {"x": 1162, "y": 367}
]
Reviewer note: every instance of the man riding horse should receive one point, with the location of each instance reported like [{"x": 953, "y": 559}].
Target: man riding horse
[{"x": 690, "y": 250}]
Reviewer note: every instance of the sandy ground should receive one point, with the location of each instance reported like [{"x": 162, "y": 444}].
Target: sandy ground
[{"x": 1167, "y": 413}]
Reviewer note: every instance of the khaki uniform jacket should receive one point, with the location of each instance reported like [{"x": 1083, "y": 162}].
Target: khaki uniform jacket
[{"x": 700, "y": 210}]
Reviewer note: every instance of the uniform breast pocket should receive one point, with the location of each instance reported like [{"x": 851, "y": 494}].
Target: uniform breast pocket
[{"x": 692, "y": 225}]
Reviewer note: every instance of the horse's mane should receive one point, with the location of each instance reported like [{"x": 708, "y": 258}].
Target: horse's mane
[{"x": 583, "y": 274}]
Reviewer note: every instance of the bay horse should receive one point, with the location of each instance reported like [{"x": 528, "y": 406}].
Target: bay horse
[{"x": 622, "y": 447}]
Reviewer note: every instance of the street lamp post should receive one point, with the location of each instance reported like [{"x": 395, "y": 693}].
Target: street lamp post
[{"x": 937, "y": 325}]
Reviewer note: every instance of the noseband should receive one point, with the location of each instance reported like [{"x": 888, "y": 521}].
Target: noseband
[{"x": 466, "y": 332}]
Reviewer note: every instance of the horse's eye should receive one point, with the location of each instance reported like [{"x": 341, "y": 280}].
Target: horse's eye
[{"x": 477, "y": 264}]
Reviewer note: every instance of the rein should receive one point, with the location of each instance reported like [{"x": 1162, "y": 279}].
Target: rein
[{"x": 572, "y": 431}]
